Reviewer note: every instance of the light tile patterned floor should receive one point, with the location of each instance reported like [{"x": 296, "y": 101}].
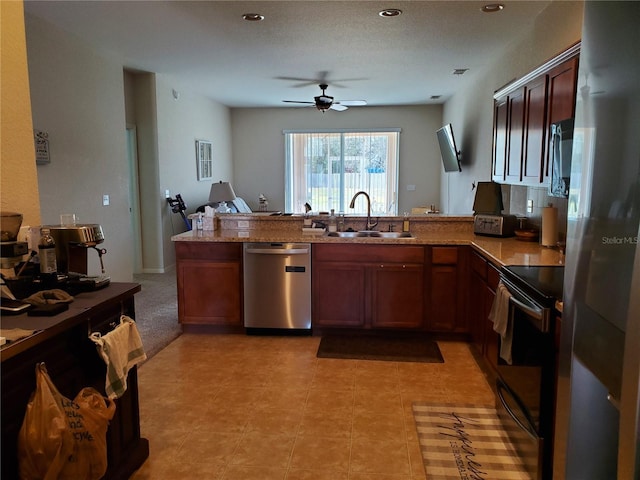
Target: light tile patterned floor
[{"x": 226, "y": 407}]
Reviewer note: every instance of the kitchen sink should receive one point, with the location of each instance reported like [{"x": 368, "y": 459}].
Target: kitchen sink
[{"x": 371, "y": 234}]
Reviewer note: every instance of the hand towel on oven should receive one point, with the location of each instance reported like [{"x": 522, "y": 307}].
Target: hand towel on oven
[
  {"x": 501, "y": 320},
  {"x": 121, "y": 349}
]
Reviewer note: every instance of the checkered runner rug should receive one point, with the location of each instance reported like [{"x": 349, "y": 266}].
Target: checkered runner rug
[{"x": 465, "y": 442}]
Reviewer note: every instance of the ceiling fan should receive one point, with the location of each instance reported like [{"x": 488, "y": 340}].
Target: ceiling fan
[{"x": 324, "y": 102}]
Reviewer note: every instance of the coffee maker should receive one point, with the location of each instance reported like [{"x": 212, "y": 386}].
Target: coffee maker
[
  {"x": 12, "y": 250},
  {"x": 73, "y": 243}
]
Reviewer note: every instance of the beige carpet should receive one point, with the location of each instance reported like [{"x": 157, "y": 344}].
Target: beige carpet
[
  {"x": 157, "y": 311},
  {"x": 465, "y": 442}
]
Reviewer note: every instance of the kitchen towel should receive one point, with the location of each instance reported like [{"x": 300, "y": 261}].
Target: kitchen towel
[
  {"x": 501, "y": 320},
  {"x": 121, "y": 349},
  {"x": 549, "y": 237}
]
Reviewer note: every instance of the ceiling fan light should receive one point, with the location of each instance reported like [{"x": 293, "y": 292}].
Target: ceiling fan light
[
  {"x": 390, "y": 12},
  {"x": 492, "y": 7},
  {"x": 253, "y": 17}
]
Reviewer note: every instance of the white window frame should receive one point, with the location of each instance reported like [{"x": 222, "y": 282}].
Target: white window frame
[{"x": 384, "y": 197}]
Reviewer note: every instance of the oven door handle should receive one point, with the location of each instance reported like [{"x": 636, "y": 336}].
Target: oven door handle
[
  {"x": 538, "y": 314},
  {"x": 527, "y": 428}
]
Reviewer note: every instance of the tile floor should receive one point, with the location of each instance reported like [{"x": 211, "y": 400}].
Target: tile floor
[{"x": 229, "y": 407}]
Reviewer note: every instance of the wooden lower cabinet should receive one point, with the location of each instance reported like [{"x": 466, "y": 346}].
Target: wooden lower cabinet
[
  {"x": 368, "y": 286},
  {"x": 338, "y": 294},
  {"x": 484, "y": 281},
  {"x": 397, "y": 296},
  {"x": 209, "y": 281},
  {"x": 447, "y": 289}
]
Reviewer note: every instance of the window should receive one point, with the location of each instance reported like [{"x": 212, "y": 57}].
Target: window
[{"x": 326, "y": 169}]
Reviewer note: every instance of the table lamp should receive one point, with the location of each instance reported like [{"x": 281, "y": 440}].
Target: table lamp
[{"x": 221, "y": 193}]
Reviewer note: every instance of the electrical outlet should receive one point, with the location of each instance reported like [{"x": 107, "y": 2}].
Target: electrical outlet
[
  {"x": 529, "y": 206},
  {"x": 105, "y": 200},
  {"x": 411, "y": 188},
  {"x": 167, "y": 194}
]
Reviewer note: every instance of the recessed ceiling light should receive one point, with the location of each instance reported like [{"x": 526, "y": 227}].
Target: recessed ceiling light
[
  {"x": 390, "y": 12},
  {"x": 253, "y": 17},
  {"x": 459, "y": 71},
  {"x": 492, "y": 7}
]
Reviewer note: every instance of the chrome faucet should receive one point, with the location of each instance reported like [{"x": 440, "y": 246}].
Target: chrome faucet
[{"x": 370, "y": 225}]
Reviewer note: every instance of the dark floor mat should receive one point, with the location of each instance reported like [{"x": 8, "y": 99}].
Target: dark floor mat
[{"x": 369, "y": 347}]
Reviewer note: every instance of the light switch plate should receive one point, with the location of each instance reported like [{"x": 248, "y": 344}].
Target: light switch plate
[{"x": 105, "y": 200}]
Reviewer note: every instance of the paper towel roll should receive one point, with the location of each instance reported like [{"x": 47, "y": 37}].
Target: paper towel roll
[{"x": 549, "y": 237}]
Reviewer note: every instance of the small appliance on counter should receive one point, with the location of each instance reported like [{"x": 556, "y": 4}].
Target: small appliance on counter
[
  {"x": 12, "y": 254},
  {"x": 72, "y": 245},
  {"x": 11, "y": 249},
  {"x": 22, "y": 278},
  {"x": 487, "y": 206}
]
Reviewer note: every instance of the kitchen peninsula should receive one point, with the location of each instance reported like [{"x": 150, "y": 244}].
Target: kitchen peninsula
[
  {"x": 435, "y": 263},
  {"x": 62, "y": 343}
]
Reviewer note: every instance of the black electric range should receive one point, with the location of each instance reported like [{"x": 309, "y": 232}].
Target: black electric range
[{"x": 543, "y": 284}]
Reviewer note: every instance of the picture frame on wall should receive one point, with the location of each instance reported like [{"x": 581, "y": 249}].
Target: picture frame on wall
[
  {"x": 41, "y": 142},
  {"x": 204, "y": 159}
]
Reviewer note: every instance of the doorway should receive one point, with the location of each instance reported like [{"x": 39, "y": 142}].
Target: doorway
[{"x": 134, "y": 197}]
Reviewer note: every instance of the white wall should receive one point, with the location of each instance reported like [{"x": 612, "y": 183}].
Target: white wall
[
  {"x": 180, "y": 123},
  {"x": 258, "y": 148},
  {"x": 471, "y": 110},
  {"x": 77, "y": 97}
]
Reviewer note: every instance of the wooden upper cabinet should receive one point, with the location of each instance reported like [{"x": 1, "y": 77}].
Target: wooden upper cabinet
[
  {"x": 500, "y": 128},
  {"x": 562, "y": 90},
  {"x": 515, "y": 134},
  {"x": 533, "y": 151},
  {"x": 561, "y": 101},
  {"x": 523, "y": 113}
]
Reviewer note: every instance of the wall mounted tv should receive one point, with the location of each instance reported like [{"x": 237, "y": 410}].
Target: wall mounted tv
[{"x": 448, "y": 150}]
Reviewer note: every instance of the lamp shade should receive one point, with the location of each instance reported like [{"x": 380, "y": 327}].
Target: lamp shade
[{"x": 221, "y": 192}]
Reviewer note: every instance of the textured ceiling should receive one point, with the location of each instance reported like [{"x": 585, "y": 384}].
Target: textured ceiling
[{"x": 403, "y": 60}]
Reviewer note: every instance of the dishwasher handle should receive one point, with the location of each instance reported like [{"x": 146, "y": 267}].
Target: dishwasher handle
[{"x": 279, "y": 251}]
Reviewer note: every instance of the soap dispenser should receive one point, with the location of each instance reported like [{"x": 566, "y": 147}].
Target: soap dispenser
[
  {"x": 333, "y": 222},
  {"x": 405, "y": 222}
]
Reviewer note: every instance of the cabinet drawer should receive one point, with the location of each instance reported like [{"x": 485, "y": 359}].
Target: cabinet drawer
[
  {"x": 479, "y": 265},
  {"x": 208, "y": 251},
  {"x": 444, "y": 255},
  {"x": 368, "y": 253},
  {"x": 493, "y": 276}
]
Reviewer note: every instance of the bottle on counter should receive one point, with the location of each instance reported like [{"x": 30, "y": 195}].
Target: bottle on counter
[
  {"x": 47, "y": 253},
  {"x": 341, "y": 222},
  {"x": 405, "y": 222},
  {"x": 333, "y": 222}
]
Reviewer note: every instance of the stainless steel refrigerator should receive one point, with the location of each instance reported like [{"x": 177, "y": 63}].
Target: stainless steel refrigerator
[{"x": 597, "y": 426}]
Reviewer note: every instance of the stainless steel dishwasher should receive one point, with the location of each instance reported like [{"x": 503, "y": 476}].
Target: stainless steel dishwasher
[{"x": 277, "y": 287}]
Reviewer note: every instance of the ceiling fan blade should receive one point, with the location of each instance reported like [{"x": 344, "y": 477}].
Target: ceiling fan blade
[
  {"x": 338, "y": 107},
  {"x": 352, "y": 103},
  {"x": 296, "y": 101}
]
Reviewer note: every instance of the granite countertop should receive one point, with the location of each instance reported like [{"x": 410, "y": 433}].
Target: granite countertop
[{"x": 500, "y": 251}]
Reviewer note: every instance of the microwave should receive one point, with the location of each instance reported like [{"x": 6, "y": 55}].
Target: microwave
[{"x": 560, "y": 151}]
